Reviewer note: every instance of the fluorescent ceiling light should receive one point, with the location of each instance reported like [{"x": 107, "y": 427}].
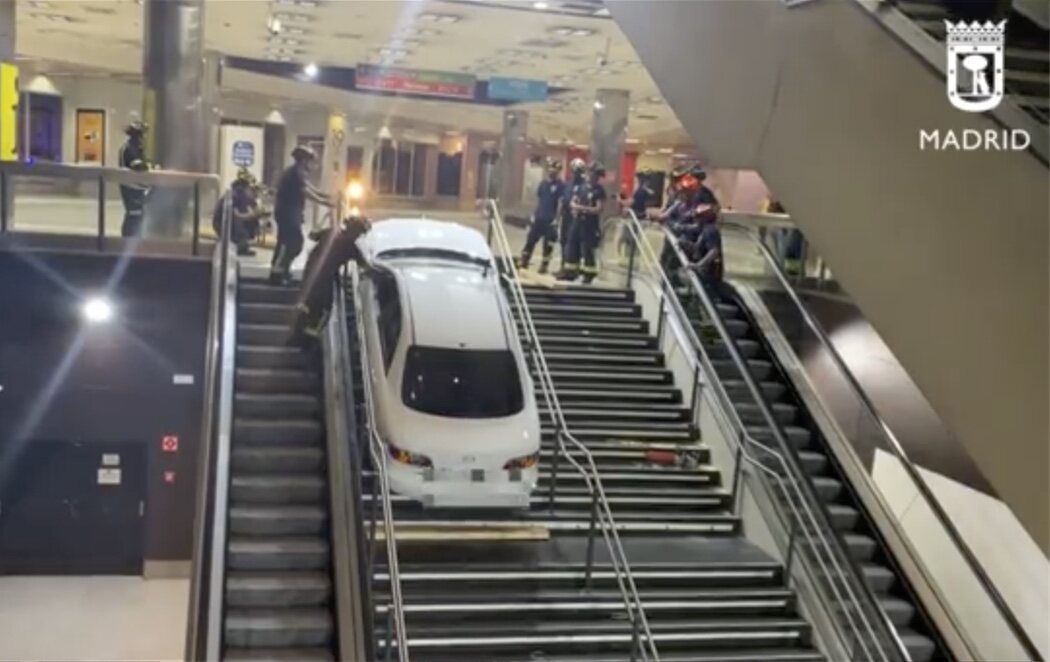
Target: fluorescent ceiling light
[
  {"x": 632, "y": 141},
  {"x": 540, "y": 5},
  {"x": 293, "y": 16},
  {"x": 299, "y": 3},
  {"x": 420, "y": 32},
  {"x": 49, "y": 16},
  {"x": 665, "y": 150},
  {"x": 310, "y": 70},
  {"x": 598, "y": 105},
  {"x": 393, "y": 52},
  {"x": 654, "y": 99}
]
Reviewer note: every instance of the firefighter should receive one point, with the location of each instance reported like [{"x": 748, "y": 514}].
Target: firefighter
[
  {"x": 133, "y": 157},
  {"x": 335, "y": 247},
  {"x": 244, "y": 212},
  {"x": 293, "y": 190},
  {"x": 577, "y": 178},
  {"x": 550, "y": 196},
  {"x": 585, "y": 232}
]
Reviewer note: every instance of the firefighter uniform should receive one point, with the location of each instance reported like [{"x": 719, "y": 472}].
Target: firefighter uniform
[
  {"x": 133, "y": 157},
  {"x": 585, "y": 233},
  {"x": 549, "y": 198}
]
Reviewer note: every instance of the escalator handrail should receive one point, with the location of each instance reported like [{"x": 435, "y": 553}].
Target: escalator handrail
[
  {"x": 378, "y": 450},
  {"x": 813, "y": 513},
  {"x": 895, "y": 447},
  {"x": 204, "y": 622},
  {"x": 592, "y": 479},
  {"x": 350, "y": 585}
]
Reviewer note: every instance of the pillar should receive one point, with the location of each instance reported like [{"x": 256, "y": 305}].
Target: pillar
[
  {"x": 173, "y": 103},
  {"x": 430, "y": 175},
  {"x": 468, "y": 173},
  {"x": 608, "y": 131},
  {"x": 333, "y": 168},
  {"x": 8, "y": 99},
  {"x": 211, "y": 113},
  {"x": 274, "y": 151},
  {"x": 511, "y": 166}
]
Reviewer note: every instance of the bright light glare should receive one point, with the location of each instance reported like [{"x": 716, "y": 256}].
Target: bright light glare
[
  {"x": 310, "y": 70},
  {"x": 97, "y": 310},
  {"x": 598, "y": 105},
  {"x": 540, "y": 5},
  {"x": 355, "y": 191},
  {"x": 355, "y": 211}
]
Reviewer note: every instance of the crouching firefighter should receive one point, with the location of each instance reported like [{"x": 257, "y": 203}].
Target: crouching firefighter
[
  {"x": 585, "y": 232},
  {"x": 335, "y": 247},
  {"x": 549, "y": 198}
]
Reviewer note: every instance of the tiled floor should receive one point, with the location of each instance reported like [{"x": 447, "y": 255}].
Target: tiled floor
[{"x": 92, "y": 618}]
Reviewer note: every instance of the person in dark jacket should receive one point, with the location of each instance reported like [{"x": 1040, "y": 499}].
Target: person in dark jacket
[
  {"x": 643, "y": 194},
  {"x": 585, "y": 232},
  {"x": 244, "y": 212},
  {"x": 132, "y": 156},
  {"x": 335, "y": 247},
  {"x": 293, "y": 190},
  {"x": 550, "y": 196},
  {"x": 577, "y": 178}
]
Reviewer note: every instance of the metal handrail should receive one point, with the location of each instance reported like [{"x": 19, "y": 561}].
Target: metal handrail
[
  {"x": 896, "y": 448},
  {"x": 600, "y": 510},
  {"x": 381, "y": 480},
  {"x": 204, "y": 622},
  {"x": 801, "y": 488},
  {"x": 101, "y": 175}
]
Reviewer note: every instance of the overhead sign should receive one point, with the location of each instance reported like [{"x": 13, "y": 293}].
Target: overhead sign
[
  {"x": 517, "y": 89},
  {"x": 243, "y": 153},
  {"x": 415, "y": 81}
]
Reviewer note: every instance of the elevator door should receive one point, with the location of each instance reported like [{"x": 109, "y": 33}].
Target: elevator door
[{"x": 73, "y": 508}]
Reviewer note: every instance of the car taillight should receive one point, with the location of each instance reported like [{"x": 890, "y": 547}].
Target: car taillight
[
  {"x": 524, "y": 462},
  {"x": 405, "y": 457}
]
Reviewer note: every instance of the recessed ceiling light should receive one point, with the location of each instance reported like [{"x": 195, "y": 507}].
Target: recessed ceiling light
[
  {"x": 97, "y": 310},
  {"x": 631, "y": 140},
  {"x": 299, "y": 3},
  {"x": 419, "y": 32},
  {"x": 278, "y": 58},
  {"x": 540, "y": 5},
  {"x": 569, "y": 31},
  {"x": 285, "y": 42},
  {"x": 665, "y": 150},
  {"x": 393, "y": 52},
  {"x": 40, "y": 4},
  {"x": 439, "y": 18},
  {"x": 598, "y": 105},
  {"x": 293, "y": 16},
  {"x": 295, "y": 30},
  {"x": 654, "y": 100},
  {"x": 310, "y": 70}
]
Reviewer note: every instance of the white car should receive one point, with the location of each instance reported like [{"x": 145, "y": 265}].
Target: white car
[{"x": 453, "y": 398}]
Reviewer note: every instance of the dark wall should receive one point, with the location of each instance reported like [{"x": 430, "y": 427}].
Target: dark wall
[{"x": 64, "y": 379}]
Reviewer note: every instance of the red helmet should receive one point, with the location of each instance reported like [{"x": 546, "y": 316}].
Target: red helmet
[{"x": 689, "y": 183}]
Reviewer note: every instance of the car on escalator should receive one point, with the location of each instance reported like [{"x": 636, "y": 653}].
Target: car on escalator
[{"x": 453, "y": 399}]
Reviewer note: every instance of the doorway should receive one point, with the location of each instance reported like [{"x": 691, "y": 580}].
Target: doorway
[{"x": 74, "y": 508}]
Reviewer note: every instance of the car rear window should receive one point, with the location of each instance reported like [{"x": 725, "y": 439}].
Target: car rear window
[{"x": 462, "y": 383}]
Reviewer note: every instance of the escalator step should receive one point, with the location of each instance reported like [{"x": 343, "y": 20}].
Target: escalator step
[
  {"x": 278, "y": 520},
  {"x": 277, "y": 381},
  {"x": 261, "y": 431},
  {"x": 278, "y": 589},
  {"x": 258, "y": 553},
  {"x": 278, "y": 459},
  {"x": 278, "y": 628},
  {"x": 277, "y": 405},
  {"x": 281, "y": 655},
  {"x": 277, "y": 488}
]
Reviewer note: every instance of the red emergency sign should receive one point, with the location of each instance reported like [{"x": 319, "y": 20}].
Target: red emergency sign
[{"x": 169, "y": 444}]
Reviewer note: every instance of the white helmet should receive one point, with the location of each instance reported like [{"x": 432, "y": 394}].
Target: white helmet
[{"x": 577, "y": 165}]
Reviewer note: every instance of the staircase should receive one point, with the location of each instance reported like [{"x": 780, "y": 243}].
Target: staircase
[
  {"x": 278, "y": 578},
  {"x": 847, "y": 517},
  {"x": 1027, "y": 75},
  {"x": 709, "y": 595}
]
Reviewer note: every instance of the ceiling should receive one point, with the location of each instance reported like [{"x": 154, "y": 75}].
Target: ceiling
[{"x": 571, "y": 44}]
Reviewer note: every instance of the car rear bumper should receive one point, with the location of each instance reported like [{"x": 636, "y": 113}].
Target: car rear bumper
[{"x": 466, "y": 488}]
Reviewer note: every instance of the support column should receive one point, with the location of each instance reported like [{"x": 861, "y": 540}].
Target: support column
[
  {"x": 274, "y": 152},
  {"x": 173, "y": 102},
  {"x": 8, "y": 100},
  {"x": 430, "y": 175},
  {"x": 468, "y": 172},
  {"x": 211, "y": 113},
  {"x": 608, "y": 131},
  {"x": 511, "y": 167},
  {"x": 333, "y": 169}
]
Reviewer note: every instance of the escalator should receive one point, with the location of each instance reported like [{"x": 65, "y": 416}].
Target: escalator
[
  {"x": 849, "y": 519},
  {"x": 275, "y": 573},
  {"x": 279, "y": 580},
  {"x": 816, "y": 86}
]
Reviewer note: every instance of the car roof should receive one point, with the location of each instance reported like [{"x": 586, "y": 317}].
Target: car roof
[
  {"x": 453, "y": 305},
  {"x": 397, "y": 234}
]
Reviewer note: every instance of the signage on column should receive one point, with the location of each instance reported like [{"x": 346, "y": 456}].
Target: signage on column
[
  {"x": 517, "y": 89},
  {"x": 243, "y": 153},
  {"x": 414, "y": 81}
]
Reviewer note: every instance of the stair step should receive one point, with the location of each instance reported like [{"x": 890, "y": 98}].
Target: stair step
[
  {"x": 591, "y": 395},
  {"x": 442, "y": 577},
  {"x": 288, "y": 432},
  {"x": 609, "y": 310},
  {"x": 278, "y": 589},
  {"x": 277, "y": 405},
  {"x": 596, "y": 327},
  {"x": 265, "y": 313},
  {"x": 278, "y": 628},
  {"x": 595, "y": 343},
  {"x": 251, "y": 380},
  {"x": 278, "y": 553},
  {"x": 278, "y": 520},
  {"x": 605, "y": 415},
  {"x": 579, "y": 295},
  {"x": 582, "y": 357},
  {"x": 261, "y": 292},
  {"x": 585, "y": 434},
  {"x": 278, "y": 459},
  {"x": 276, "y": 488},
  {"x": 843, "y": 518},
  {"x": 318, "y": 654},
  {"x": 620, "y": 376},
  {"x": 879, "y": 578},
  {"x": 261, "y": 357}
]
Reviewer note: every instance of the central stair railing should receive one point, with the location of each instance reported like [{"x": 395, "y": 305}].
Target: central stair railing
[{"x": 643, "y": 646}]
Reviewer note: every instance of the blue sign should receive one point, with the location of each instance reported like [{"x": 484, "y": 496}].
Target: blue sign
[
  {"x": 243, "y": 153},
  {"x": 518, "y": 89}
]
